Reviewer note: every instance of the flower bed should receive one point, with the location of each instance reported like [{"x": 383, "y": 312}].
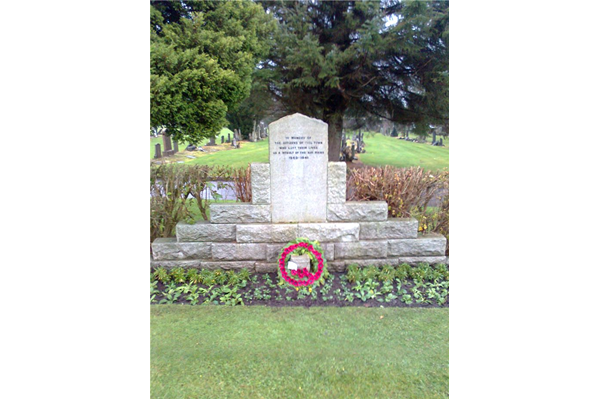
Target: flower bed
[{"x": 402, "y": 286}]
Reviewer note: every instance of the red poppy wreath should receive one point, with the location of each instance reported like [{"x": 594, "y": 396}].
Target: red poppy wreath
[{"x": 316, "y": 270}]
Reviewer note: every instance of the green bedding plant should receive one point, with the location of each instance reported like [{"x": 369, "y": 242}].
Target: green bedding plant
[{"x": 421, "y": 284}]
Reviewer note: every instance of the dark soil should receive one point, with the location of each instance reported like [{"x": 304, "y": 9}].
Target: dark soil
[{"x": 278, "y": 296}]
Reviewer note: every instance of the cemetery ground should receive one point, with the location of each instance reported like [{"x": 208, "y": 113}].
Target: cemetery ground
[
  {"x": 380, "y": 150},
  {"x": 366, "y": 326},
  {"x": 295, "y": 352}
]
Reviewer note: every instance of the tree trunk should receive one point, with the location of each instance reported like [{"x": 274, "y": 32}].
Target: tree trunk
[{"x": 335, "y": 122}]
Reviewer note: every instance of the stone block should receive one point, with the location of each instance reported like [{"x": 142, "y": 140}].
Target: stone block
[
  {"x": 431, "y": 244},
  {"x": 266, "y": 268},
  {"x": 170, "y": 249},
  {"x": 330, "y": 232},
  {"x": 176, "y": 264},
  {"x": 239, "y": 213},
  {"x": 273, "y": 251},
  {"x": 431, "y": 260},
  {"x": 341, "y": 265},
  {"x": 203, "y": 231},
  {"x": 267, "y": 233},
  {"x": 249, "y": 265},
  {"x": 239, "y": 251},
  {"x": 260, "y": 179},
  {"x": 361, "y": 250},
  {"x": 393, "y": 228},
  {"x": 336, "y": 182},
  {"x": 357, "y": 211},
  {"x": 329, "y": 251}
]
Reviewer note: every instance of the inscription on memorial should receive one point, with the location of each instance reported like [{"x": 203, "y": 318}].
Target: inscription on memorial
[{"x": 298, "y": 147}]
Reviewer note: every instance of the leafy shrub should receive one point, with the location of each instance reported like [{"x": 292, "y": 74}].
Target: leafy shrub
[
  {"x": 168, "y": 194},
  {"x": 435, "y": 220},
  {"x": 172, "y": 186}
]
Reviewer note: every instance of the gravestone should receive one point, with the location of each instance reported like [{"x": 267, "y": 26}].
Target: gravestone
[
  {"x": 211, "y": 142},
  {"x": 229, "y": 138},
  {"x": 168, "y": 147},
  {"x": 222, "y": 138},
  {"x": 157, "y": 151},
  {"x": 175, "y": 146},
  {"x": 298, "y": 194},
  {"x": 298, "y": 157},
  {"x": 234, "y": 142}
]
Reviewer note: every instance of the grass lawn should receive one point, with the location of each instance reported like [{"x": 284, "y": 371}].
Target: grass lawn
[
  {"x": 386, "y": 150},
  {"x": 248, "y": 153},
  {"x": 261, "y": 352},
  {"x": 381, "y": 150}
]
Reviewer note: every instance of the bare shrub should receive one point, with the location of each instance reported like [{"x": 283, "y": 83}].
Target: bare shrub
[
  {"x": 242, "y": 184},
  {"x": 205, "y": 182},
  {"x": 402, "y": 188}
]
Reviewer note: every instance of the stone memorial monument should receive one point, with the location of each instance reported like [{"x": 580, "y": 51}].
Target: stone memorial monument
[
  {"x": 157, "y": 151},
  {"x": 297, "y": 194}
]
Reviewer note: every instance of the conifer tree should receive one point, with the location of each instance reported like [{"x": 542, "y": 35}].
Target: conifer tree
[
  {"x": 201, "y": 61},
  {"x": 384, "y": 58}
]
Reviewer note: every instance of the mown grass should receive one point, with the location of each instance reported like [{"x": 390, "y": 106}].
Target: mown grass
[
  {"x": 261, "y": 352},
  {"x": 386, "y": 150},
  {"x": 381, "y": 150}
]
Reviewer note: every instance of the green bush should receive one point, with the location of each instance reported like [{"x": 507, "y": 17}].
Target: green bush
[{"x": 171, "y": 185}]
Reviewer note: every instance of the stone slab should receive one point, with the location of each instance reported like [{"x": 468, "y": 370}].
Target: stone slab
[
  {"x": 266, "y": 233},
  {"x": 361, "y": 250},
  {"x": 330, "y": 232},
  {"x": 249, "y": 265},
  {"x": 336, "y": 182},
  {"x": 239, "y": 213},
  {"x": 329, "y": 251},
  {"x": 393, "y": 228},
  {"x": 298, "y": 147},
  {"x": 273, "y": 251},
  {"x": 341, "y": 265},
  {"x": 357, "y": 211},
  {"x": 239, "y": 251},
  {"x": 176, "y": 264},
  {"x": 260, "y": 180},
  {"x": 204, "y": 231},
  {"x": 263, "y": 267},
  {"x": 431, "y": 260},
  {"x": 431, "y": 244},
  {"x": 170, "y": 249}
]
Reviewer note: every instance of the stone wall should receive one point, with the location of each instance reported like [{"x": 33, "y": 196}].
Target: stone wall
[
  {"x": 297, "y": 194},
  {"x": 241, "y": 235}
]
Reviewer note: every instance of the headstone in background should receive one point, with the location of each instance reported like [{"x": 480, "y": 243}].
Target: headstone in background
[
  {"x": 157, "y": 151},
  {"x": 234, "y": 142},
  {"x": 211, "y": 142},
  {"x": 228, "y": 137},
  {"x": 168, "y": 146},
  {"x": 175, "y": 146},
  {"x": 222, "y": 139}
]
